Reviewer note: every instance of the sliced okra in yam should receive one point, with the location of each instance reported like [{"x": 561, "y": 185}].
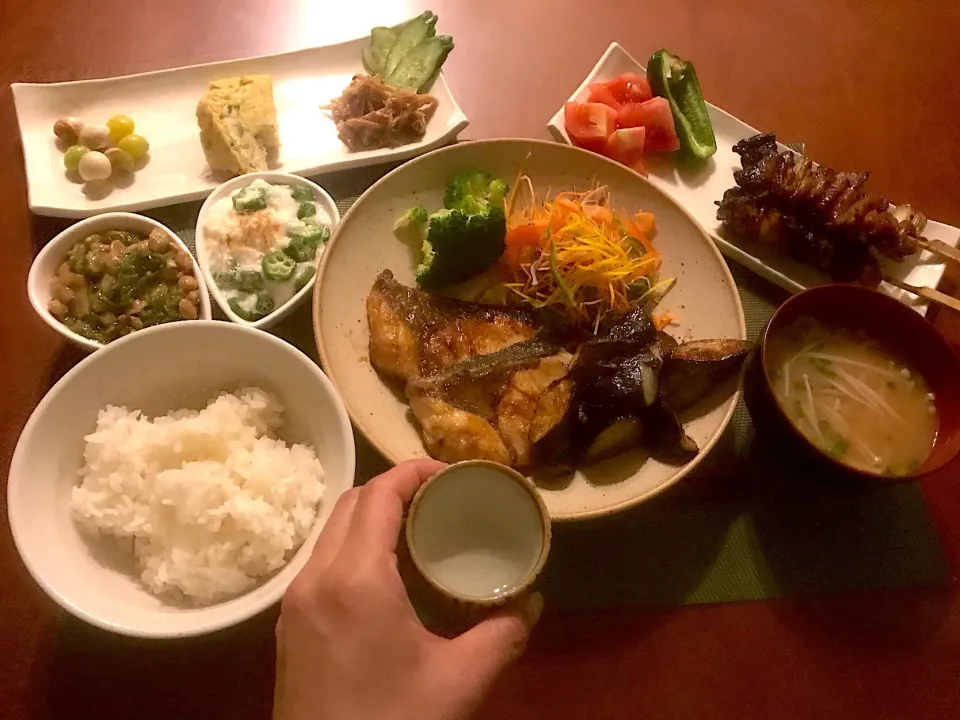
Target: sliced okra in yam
[{"x": 249, "y": 199}]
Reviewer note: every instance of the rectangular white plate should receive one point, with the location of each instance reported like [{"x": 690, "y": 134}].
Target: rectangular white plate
[
  {"x": 697, "y": 189},
  {"x": 163, "y": 105}
]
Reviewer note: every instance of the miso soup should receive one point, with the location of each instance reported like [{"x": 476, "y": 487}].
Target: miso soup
[{"x": 852, "y": 398}]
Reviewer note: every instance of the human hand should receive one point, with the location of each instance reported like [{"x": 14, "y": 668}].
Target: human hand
[{"x": 349, "y": 644}]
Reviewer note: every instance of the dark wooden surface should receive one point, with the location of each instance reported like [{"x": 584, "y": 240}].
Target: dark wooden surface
[{"x": 864, "y": 84}]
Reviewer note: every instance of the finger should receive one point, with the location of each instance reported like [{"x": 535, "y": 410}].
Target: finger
[
  {"x": 407, "y": 477},
  {"x": 379, "y": 513},
  {"x": 280, "y": 674},
  {"x": 487, "y": 649},
  {"x": 332, "y": 537}
]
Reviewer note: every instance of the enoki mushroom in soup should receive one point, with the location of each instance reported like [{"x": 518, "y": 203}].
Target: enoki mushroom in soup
[{"x": 853, "y": 399}]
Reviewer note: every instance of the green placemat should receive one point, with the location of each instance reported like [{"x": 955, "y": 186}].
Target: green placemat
[{"x": 745, "y": 526}]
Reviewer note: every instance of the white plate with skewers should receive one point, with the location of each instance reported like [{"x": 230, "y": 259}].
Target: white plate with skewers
[{"x": 697, "y": 189}]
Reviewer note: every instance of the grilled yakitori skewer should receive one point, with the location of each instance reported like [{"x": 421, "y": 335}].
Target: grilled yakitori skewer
[{"x": 818, "y": 215}]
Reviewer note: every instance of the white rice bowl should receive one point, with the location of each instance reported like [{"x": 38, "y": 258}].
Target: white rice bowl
[
  {"x": 95, "y": 575},
  {"x": 211, "y": 500}
]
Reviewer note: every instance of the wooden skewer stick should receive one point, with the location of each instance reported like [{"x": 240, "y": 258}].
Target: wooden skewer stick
[
  {"x": 918, "y": 220},
  {"x": 926, "y": 292},
  {"x": 940, "y": 248}
]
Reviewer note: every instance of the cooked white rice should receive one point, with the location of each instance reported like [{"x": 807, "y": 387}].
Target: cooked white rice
[{"x": 212, "y": 501}]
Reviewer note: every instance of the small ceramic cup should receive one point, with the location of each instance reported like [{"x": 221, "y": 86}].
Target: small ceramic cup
[{"x": 478, "y": 533}]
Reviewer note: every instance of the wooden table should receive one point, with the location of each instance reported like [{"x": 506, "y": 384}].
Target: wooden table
[{"x": 865, "y": 85}]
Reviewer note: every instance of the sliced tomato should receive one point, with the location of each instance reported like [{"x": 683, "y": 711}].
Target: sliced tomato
[
  {"x": 630, "y": 87},
  {"x": 521, "y": 242},
  {"x": 626, "y": 147},
  {"x": 645, "y": 223},
  {"x": 656, "y": 117},
  {"x": 601, "y": 93},
  {"x": 589, "y": 124},
  {"x": 599, "y": 214},
  {"x": 629, "y": 115}
]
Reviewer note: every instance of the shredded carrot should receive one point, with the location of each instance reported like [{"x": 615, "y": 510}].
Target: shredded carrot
[
  {"x": 661, "y": 320},
  {"x": 576, "y": 255}
]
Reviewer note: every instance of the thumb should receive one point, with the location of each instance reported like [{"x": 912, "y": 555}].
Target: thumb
[{"x": 485, "y": 650}]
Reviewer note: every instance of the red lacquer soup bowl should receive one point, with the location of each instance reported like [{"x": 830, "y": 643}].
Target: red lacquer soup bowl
[{"x": 901, "y": 331}]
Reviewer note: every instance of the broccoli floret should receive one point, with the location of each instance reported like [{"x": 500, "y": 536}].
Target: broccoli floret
[
  {"x": 411, "y": 227},
  {"x": 455, "y": 245},
  {"x": 458, "y": 247},
  {"x": 473, "y": 192}
]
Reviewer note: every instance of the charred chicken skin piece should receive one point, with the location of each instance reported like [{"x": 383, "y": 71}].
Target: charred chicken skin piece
[{"x": 815, "y": 214}]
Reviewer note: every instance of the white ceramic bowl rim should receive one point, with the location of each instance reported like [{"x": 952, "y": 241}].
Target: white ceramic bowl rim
[
  {"x": 58, "y": 245},
  {"x": 214, "y": 617},
  {"x": 528, "y": 497},
  {"x": 221, "y": 191}
]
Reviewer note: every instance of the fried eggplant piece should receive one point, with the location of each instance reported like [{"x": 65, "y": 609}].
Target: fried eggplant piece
[
  {"x": 665, "y": 434},
  {"x": 694, "y": 368},
  {"x": 619, "y": 436},
  {"x": 624, "y": 384},
  {"x": 627, "y": 335},
  {"x": 666, "y": 343},
  {"x": 610, "y": 404}
]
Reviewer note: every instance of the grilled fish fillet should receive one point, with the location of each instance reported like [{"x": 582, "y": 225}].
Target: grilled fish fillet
[
  {"x": 474, "y": 373},
  {"x": 519, "y": 402},
  {"x": 451, "y": 434},
  {"x": 414, "y": 333},
  {"x": 502, "y": 389}
]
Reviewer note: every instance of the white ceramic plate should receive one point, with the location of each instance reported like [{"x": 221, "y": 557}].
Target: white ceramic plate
[
  {"x": 323, "y": 201},
  {"x": 698, "y": 190},
  {"x": 163, "y": 105},
  {"x": 705, "y": 298}
]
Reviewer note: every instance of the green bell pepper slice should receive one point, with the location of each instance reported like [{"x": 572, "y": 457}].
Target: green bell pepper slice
[{"x": 675, "y": 79}]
